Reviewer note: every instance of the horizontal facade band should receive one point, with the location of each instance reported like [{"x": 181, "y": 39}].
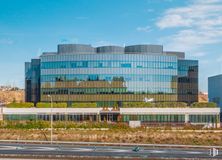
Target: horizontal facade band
[
  {"x": 109, "y": 71},
  {"x": 111, "y": 78},
  {"x": 109, "y": 97},
  {"x": 124, "y": 111},
  {"x": 95, "y": 57},
  {"x": 109, "y": 64},
  {"x": 113, "y": 84}
]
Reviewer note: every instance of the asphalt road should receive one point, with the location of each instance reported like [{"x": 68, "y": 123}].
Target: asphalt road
[{"x": 55, "y": 150}]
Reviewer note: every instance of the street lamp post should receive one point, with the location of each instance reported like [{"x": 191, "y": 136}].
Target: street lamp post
[{"x": 51, "y": 116}]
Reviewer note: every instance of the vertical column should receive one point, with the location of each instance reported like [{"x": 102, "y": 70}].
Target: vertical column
[
  {"x": 1, "y": 114},
  {"x": 187, "y": 118}
]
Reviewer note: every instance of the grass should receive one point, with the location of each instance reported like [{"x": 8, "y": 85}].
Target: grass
[{"x": 60, "y": 125}]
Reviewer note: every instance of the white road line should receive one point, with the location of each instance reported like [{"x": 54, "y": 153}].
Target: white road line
[
  {"x": 115, "y": 150},
  {"x": 41, "y": 148},
  {"x": 9, "y": 147},
  {"x": 194, "y": 152},
  {"x": 156, "y": 151}
]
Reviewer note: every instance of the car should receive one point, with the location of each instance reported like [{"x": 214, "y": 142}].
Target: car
[{"x": 136, "y": 149}]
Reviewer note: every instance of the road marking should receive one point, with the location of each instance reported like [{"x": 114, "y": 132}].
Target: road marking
[
  {"x": 9, "y": 147},
  {"x": 116, "y": 150},
  {"x": 156, "y": 151},
  {"x": 41, "y": 148},
  {"x": 193, "y": 152}
]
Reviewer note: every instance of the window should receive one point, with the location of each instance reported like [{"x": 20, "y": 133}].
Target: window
[{"x": 126, "y": 65}]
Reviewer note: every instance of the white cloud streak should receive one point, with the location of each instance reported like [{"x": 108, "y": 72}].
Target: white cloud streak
[
  {"x": 197, "y": 24},
  {"x": 144, "y": 29}
]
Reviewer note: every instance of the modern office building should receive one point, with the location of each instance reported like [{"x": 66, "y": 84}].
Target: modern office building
[
  {"x": 215, "y": 89},
  {"x": 111, "y": 75}
]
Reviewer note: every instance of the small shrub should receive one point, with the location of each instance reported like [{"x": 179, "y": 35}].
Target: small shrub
[
  {"x": 84, "y": 105},
  {"x": 203, "y": 105},
  {"x": 170, "y": 105},
  {"x": 48, "y": 105},
  {"x": 137, "y": 105},
  {"x": 157, "y": 105},
  {"x": 20, "y": 105}
]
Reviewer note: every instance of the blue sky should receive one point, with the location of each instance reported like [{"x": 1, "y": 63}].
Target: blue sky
[{"x": 29, "y": 27}]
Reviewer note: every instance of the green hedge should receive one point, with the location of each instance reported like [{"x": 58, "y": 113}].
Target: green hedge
[
  {"x": 170, "y": 105},
  {"x": 152, "y": 105},
  {"x": 84, "y": 105},
  {"x": 60, "y": 124},
  {"x": 20, "y": 105},
  {"x": 48, "y": 105},
  {"x": 204, "y": 105},
  {"x": 137, "y": 105}
]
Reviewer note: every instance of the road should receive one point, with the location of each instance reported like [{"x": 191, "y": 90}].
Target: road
[{"x": 64, "y": 150}]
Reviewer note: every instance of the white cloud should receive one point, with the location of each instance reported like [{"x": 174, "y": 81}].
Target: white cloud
[
  {"x": 195, "y": 15},
  {"x": 173, "y": 20},
  {"x": 198, "y": 24},
  {"x": 144, "y": 29}
]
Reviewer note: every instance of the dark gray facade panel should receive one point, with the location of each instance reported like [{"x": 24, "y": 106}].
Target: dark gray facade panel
[
  {"x": 110, "y": 49},
  {"x": 75, "y": 48},
  {"x": 144, "y": 49},
  {"x": 49, "y": 53},
  {"x": 180, "y": 55}
]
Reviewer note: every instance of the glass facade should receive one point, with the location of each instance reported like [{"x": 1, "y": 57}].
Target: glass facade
[
  {"x": 32, "y": 81},
  {"x": 56, "y": 117},
  {"x": 81, "y": 73},
  {"x": 109, "y": 77},
  {"x": 203, "y": 118},
  {"x": 154, "y": 118},
  {"x": 215, "y": 89},
  {"x": 146, "y": 118},
  {"x": 187, "y": 81}
]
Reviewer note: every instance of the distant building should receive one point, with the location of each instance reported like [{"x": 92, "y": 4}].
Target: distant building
[
  {"x": 215, "y": 89},
  {"x": 203, "y": 97},
  {"x": 111, "y": 75}
]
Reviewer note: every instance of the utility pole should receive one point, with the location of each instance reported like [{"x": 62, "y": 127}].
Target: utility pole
[{"x": 51, "y": 117}]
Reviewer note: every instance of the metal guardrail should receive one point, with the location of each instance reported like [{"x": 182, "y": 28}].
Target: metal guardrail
[{"x": 110, "y": 144}]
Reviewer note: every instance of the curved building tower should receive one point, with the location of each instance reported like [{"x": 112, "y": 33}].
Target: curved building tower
[{"x": 114, "y": 74}]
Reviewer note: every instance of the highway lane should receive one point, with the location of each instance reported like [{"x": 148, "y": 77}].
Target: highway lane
[{"x": 65, "y": 150}]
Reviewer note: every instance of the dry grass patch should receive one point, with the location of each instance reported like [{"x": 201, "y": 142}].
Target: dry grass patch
[{"x": 133, "y": 136}]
